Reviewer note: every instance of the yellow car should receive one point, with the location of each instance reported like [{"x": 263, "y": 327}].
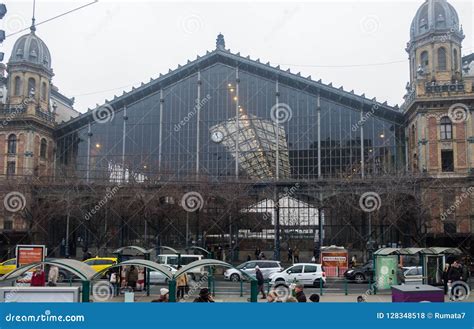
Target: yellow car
[
  {"x": 99, "y": 264},
  {"x": 7, "y": 266}
]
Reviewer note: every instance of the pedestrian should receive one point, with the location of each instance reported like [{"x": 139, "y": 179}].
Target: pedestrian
[
  {"x": 204, "y": 297},
  {"x": 141, "y": 279},
  {"x": 353, "y": 261},
  {"x": 290, "y": 255},
  {"x": 314, "y": 298},
  {"x": 455, "y": 272},
  {"x": 249, "y": 258},
  {"x": 132, "y": 277},
  {"x": 182, "y": 284},
  {"x": 53, "y": 276},
  {"x": 465, "y": 271},
  {"x": 445, "y": 278},
  {"x": 257, "y": 252},
  {"x": 38, "y": 279},
  {"x": 164, "y": 296},
  {"x": 360, "y": 299},
  {"x": 260, "y": 281},
  {"x": 297, "y": 255},
  {"x": 262, "y": 256},
  {"x": 300, "y": 296},
  {"x": 400, "y": 276},
  {"x": 291, "y": 299}
]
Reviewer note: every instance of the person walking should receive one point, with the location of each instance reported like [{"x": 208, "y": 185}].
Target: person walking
[
  {"x": 260, "y": 281},
  {"x": 53, "y": 276},
  {"x": 297, "y": 255},
  {"x": 290, "y": 255},
  {"x": 257, "y": 253},
  {"x": 132, "y": 277},
  {"x": 182, "y": 284},
  {"x": 204, "y": 297},
  {"x": 300, "y": 296}
]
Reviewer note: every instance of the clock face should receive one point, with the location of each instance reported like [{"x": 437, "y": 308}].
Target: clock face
[{"x": 217, "y": 136}]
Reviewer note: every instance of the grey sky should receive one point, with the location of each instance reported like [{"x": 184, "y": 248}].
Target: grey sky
[{"x": 111, "y": 46}]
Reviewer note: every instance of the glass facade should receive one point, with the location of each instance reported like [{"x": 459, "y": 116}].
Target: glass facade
[{"x": 219, "y": 121}]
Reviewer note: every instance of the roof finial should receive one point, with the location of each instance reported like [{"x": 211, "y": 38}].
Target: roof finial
[
  {"x": 33, "y": 27},
  {"x": 220, "y": 42}
]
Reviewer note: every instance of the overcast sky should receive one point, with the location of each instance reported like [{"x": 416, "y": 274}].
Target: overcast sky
[{"x": 110, "y": 46}]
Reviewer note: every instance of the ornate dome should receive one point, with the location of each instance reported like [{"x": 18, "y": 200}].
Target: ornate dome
[
  {"x": 434, "y": 16},
  {"x": 31, "y": 49}
]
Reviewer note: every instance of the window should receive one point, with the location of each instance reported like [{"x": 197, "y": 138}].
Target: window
[
  {"x": 12, "y": 144},
  {"x": 11, "y": 167},
  {"x": 296, "y": 269},
  {"x": 43, "y": 91},
  {"x": 455, "y": 60},
  {"x": 447, "y": 161},
  {"x": 450, "y": 227},
  {"x": 12, "y": 261},
  {"x": 31, "y": 86},
  {"x": 43, "y": 148},
  {"x": 424, "y": 61},
  {"x": 310, "y": 268},
  {"x": 446, "y": 128},
  {"x": 8, "y": 225},
  {"x": 442, "y": 59},
  {"x": 17, "y": 86}
]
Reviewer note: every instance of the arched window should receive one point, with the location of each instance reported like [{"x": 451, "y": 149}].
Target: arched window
[
  {"x": 424, "y": 60},
  {"x": 442, "y": 59},
  {"x": 446, "y": 128},
  {"x": 31, "y": 86},
  {"x": 17, "y": 86},
  {"x": 43, "y": 148},
  {"x": 43, "y": 91},
  {"x": 455, "y": 60},
  {"x": 12, "y": 144}
]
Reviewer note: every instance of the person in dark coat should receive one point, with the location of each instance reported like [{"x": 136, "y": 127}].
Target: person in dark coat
[
  {"x": 290, "y": 255},
  {"x": 260, "y": 281},
  {"x": 445, "y": 278},
  {"x": 455, "y": 272},
  {"x": 132, "y": 277},
  {"x": 257, "y": 253},
  {"x": 300, "y": 296},
  {"x": 204, "y": 297}
]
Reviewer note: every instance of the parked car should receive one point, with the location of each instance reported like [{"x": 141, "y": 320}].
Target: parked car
[
  {"x": 158, "y": 277},
  {"x": 172, "y": 260},
  {"x": 7, "y": 266},
  {"x": 360, "y": 274},
  {"x": 268, "y": 267},
  {"x": 308, "y": 274}
]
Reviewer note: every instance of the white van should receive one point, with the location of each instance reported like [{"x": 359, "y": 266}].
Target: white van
[{"x": 172, "y": 260}]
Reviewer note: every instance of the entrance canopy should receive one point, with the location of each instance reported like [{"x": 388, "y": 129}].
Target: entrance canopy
[{"x": 79, "y": 269}]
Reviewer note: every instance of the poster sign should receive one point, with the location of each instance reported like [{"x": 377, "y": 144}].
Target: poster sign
[
  {"x": 28, "y": 254},
  {"x": 386, "y": 271},
  {"x": 334, "y": 258}
]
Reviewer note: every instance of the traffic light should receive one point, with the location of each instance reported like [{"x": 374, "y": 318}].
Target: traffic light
[{"x": 3, "y": 12}]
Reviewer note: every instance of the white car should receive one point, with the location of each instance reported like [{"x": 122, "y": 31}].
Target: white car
[
  {"x": 413, "y": 275},
  {"x": 158, "y": 277},
  {"x": 308, "y": 274},
  {"x": 268, "y": 267}
]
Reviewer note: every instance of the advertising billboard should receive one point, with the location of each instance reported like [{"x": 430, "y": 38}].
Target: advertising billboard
[{"x": 28, "y": 254}]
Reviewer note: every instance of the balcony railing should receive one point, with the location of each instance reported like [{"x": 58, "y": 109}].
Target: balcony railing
[{"x": 443, "y": 87}]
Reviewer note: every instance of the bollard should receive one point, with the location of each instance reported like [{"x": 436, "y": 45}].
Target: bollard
[
  {"x": 147, "y": 273},
  {"x": 345, "y": 287},
  {"x": 241, "y": 287},
  {"x": 321, "y": 287},
  {"x": 70, "y": 281},
  {"x": 172, "y": 290},
  {"x": 253, "y": 291}
]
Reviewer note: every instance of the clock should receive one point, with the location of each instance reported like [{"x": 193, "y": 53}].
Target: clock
[{"x": 217, "y": 136}]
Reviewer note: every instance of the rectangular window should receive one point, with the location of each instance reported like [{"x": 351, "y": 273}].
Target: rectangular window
[
  {"x": 8, "y": 225},
  {"x": 11, "y": 168},
  {"x": 446, "y": 132},
  {"x": 447, "y": 161}
]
